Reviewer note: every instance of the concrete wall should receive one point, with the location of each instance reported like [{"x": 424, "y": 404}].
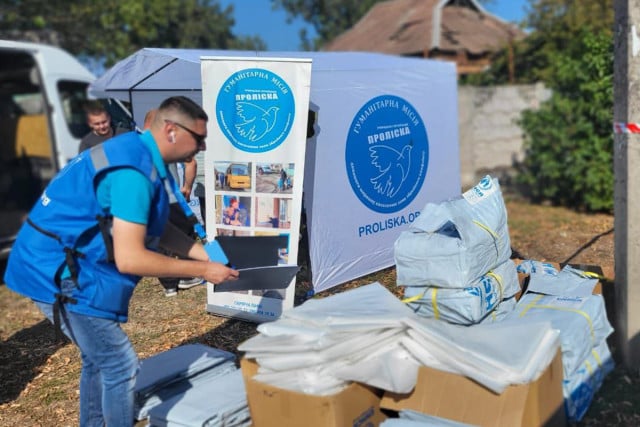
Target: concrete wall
[{"x": 490, "y": 139}]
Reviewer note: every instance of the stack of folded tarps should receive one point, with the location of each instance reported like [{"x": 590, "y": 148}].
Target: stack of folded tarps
[
  {"x": 565, "y": 299},
  {"x": 219, "y": 402},
  {"x": 409, "y": 418},
  {"x": 454, "y": 259},
  {"x": 174, "y": 372},
  {"x": 369, "y": 336}
]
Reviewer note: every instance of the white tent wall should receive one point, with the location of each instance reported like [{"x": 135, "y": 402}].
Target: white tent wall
[
  {"x": 338, "y": 251},
  {"x": 342, "y": 83}
]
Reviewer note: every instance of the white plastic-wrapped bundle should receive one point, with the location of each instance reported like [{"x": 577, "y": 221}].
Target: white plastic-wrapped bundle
[
  {"x": 582, "y": 322},
  {"x": 581, "y": 386},
  {"x": 467, "y": 305},
  {"x": 504, "y": 308},
  {"x": 453, "y": 243}
]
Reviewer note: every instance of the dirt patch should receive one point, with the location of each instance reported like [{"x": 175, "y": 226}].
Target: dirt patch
[{"x": 40, "y": 376}]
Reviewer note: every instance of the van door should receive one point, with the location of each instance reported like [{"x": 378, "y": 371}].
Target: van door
[{"x": 26, "y": 153}]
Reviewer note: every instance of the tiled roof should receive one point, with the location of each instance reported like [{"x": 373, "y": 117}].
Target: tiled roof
[{"x": 406, "y": 27}]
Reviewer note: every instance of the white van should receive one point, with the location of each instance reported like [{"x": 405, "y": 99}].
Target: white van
[{"x": 42, "y": 93}]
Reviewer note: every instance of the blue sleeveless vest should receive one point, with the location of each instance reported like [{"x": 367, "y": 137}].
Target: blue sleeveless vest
[{"x": 63, "y": 230}]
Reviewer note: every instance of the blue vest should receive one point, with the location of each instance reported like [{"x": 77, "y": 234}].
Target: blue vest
[{"x": 63, "y": 231}]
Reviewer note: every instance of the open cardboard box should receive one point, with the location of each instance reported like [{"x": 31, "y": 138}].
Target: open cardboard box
[
  {"x": 357, "y": 405},
  {"x": 459, "y": 398}
]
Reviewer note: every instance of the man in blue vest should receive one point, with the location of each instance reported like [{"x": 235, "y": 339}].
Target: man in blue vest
[{"x": 94, "y": 233}]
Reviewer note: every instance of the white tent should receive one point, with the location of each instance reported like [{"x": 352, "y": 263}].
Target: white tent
[{"x": 351, "y": 228}]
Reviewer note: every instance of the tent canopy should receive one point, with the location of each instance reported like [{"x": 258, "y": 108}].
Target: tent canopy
[
  {"x": 342, "y": 83},
  {"x": 178, "y": 70}
]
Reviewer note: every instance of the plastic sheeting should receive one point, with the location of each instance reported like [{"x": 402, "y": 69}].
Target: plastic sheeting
[
  {"x": 581, "y": 386},
  {"x": 378, "y": 341},
  {"x": 582, "y": 322},
  {"x": 467, "y": 305},
  {"x": 569, "y": 282},
  {"x": 408, "y": 418},
  {"x": 220, "y": 402},
  {"x": 495, "y": 355},
  {"x": 174, "y": 371},
  {"x": 455, "y": 242},
  {"x": 566, "y": 299}
]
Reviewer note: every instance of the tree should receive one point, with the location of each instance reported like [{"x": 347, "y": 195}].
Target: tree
[
  {"x": 552, "y": 25},
  {"x": 112, "y": 29},
  {"x": 569, "y": 142}
]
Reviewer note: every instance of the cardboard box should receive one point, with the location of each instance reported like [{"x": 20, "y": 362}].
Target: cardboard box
[
  {"x": 356, "y": 406},
  {"x": 461, "y": 399}
]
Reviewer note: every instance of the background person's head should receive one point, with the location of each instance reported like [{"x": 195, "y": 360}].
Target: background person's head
[
  {"x": 98, "y": 118},
  {"x": 148, "y": 118}
]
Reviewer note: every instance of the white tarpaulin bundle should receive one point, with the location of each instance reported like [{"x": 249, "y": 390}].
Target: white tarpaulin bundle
[
  {"x": 468, "y": 305},
  {"x": 219, "y": 402},
  {"x": 455, "y": 242},
  {"x": 368, "y": 335},
  {"x": 409, "y": 418},
  {"x": 582, "y": 322},
  {"x": 579, "y": 389},
  {"x": 565, "y": 298},
  {"x": 171, "y": 372}
]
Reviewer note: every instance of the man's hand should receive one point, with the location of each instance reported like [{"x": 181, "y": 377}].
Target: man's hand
[{"x": 217, "y": 273}]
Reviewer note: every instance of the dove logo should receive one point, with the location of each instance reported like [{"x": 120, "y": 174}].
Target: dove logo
[
  {"x": 387, "y": 154},
  {"x": 255, "y": 110}
]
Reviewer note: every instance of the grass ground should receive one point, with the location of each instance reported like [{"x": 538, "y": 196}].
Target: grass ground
[{"x": 39, "y": 376}]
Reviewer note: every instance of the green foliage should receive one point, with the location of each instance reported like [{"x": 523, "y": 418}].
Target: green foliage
[
  {"x": 569, "y": 143},
  {"x": 112, "y": 29},
  {"x": 552, "y": 25},
  {"x": 568, "y": 140}
]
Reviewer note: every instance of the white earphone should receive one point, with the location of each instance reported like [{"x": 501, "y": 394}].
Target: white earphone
[{"x": 172, "y": 137}]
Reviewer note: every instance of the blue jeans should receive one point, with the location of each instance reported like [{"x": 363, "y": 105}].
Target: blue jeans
[{"x": 109, "y": 366}]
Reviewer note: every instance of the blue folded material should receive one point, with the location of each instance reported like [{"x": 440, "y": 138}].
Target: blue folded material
[
  {"x": 221, "y": 402},
  {"x": 169, "y": 373},
  {"x": 215, "y": 252}
]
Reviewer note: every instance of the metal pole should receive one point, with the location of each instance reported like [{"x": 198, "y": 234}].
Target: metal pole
[{"x": 626, "y": 152}]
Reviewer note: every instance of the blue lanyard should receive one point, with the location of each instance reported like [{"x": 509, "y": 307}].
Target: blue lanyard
[
  {"x": 199, "y": 229},
  {"x": 213, "y": 249}
]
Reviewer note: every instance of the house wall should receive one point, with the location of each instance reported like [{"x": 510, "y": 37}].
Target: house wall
[{"x": 490, "y": 139}]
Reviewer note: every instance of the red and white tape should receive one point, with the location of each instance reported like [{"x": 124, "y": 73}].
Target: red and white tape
[{"x": 620, "y": 127}]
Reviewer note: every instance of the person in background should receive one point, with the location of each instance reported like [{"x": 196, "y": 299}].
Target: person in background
[
  {"x": 99, "y": 121},
  {"x": 80, "y": 258},
  {"x": 282, "y": 182},
  {"x": 177, "y": 216},
  {"x": 231, "y": 213}
]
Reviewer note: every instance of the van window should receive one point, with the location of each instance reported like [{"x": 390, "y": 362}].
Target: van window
[{"x": 73, "y": 95}]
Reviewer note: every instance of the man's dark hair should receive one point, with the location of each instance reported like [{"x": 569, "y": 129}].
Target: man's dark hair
[
  {"x": 94, "y": 108},
  {"x": 184, "y": 106}
]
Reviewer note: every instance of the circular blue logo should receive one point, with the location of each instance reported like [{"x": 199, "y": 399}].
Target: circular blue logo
[
  {"x": 387, "y": 154},
  {"x": 255, "y": 110}
]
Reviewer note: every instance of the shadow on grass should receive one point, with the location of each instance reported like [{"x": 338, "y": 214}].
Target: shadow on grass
[{"x": 22, "y": 354}]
